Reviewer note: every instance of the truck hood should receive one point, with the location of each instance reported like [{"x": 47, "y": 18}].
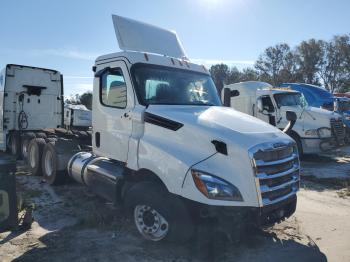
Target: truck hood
[
  {"x": 221, "y": 123},
  {"x": 315, "y": 112}
]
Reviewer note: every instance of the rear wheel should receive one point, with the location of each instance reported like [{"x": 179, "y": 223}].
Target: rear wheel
[
  {"x": 41, "y": 135},
  {"x": 15, "y": 144},
  {"x": 35, "y": 152},
  {"x": 156, "y": 213},
  {"x": 26, "y": 138},
  {"x": 56, "y": 155}
]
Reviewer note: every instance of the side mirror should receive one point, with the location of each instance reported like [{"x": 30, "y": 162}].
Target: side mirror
[
  {"x": 227, "y": 96},
  {"x": 259, "y": 104},
  {"x": 292, "y": 118}
]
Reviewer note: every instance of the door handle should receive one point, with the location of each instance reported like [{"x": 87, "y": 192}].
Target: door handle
[{"x": 126, "y": 115}]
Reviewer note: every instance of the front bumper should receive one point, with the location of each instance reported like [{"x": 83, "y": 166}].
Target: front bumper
[
  {"x": 232, "y": 217},
  {"x": 317, "y": 145}
]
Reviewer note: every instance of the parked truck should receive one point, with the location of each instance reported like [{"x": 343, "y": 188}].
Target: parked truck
[
  {"x": 316, "y": 130},
  {"x": 318, "y": 96},
  {"x": 32, "y": 106},
  {"x": 165, "y": 148},
  {"x": 77, "y": 117}
]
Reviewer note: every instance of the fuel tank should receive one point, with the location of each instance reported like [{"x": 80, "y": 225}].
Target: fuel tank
[{"x": 100, "y": 174}]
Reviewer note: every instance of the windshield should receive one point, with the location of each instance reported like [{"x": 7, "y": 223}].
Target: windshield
[
  {"x": 157, "y": 85},
  {"x": 290, "y": 99}
]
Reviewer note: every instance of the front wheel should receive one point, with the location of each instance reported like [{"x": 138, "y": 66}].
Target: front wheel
[
  {"x": 157, "y": 214},
  {"x": 299, "y": 144}
]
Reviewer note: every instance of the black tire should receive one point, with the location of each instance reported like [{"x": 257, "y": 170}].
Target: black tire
[
  {"x": 15, "y": 145},
  {"x": 56, "y": 155},
  {"x": 41, "y": 135},
  {"x": 51, "y": 139},
  {"x": 150, "y": 194},
  {"x": 83, "y": 134},
  {"x": 299, "y": 145},
  {"x": 35, "y": 152},
  {"x": 26, "y": 138}
]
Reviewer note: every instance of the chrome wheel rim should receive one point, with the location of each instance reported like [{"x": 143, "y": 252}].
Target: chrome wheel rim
[
  {"x": 13, "y": 146},
  {"x": 152, "y": 225},
  {"x": 48, "y": 163},
  {"x": 32, "y": 154},
  {"x": 25, "y": 149}
]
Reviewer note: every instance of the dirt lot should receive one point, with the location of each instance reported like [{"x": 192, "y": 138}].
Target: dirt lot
[{"x": 73, "y": 225}]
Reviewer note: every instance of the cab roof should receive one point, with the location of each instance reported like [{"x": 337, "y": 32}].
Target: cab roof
[{"x": 152, "y": 59}]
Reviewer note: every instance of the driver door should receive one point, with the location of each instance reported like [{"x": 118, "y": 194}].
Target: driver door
[
  {"x": 113, "y": 103},
  {"x": 268, "y": 112}
]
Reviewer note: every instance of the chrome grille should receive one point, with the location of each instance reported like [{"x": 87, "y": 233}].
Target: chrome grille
[
  {"x": 338, "y": 129},
  {"x": 276, "y": 168}
]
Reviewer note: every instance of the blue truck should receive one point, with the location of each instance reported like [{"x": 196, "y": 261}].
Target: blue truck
[{"x": 317, "y": 96}]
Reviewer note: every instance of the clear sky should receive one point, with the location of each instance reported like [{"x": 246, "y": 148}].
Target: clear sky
[{"x": 67, "y": 35}]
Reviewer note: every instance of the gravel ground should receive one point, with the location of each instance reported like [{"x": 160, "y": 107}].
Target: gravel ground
[{"x": 71, "y": 224}]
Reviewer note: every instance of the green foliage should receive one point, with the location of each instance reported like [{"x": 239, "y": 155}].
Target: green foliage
[
  {"x": 313, "y": 61},
  {"x": 84, "y": 99}
]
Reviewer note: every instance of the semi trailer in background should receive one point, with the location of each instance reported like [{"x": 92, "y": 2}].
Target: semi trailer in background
[
  {"x": 316, "y": 130},
  {"x": 77, "y": 117},
  {"x": 165, "y": 148},
  {"x": 32, "y": 113}
]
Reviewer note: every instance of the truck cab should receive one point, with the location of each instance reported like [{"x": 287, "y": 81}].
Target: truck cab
[
  {"x": 77, "y": 117},
  {"x": 31, "y": 99},
  {"x": 315, "y": 130},
  {"x": 165, "y": 148},
  {"x": 317, "y": 96}
]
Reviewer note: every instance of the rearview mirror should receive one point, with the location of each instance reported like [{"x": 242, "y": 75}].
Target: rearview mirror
[
  {"x": 292, "y": 118},
  {"x": 227, "y": 96}
]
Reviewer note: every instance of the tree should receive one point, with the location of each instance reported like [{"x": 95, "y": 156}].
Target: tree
[
  {"x": 335, "y": 69},
  {"x": 234, "y": 76},
  {"x": 219, "y": 73},
  {"x": 249, "y": 74},
  {"x": 309, "y": 57},
  {"x": 86, "y": 100},
  {"x": 277, "y": 64}
]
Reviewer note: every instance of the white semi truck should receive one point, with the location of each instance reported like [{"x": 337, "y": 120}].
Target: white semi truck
[
  {"x": 165, "y": 148},
  {"x": 77, "y": 117},
  {"x": 316, "y": 130}
]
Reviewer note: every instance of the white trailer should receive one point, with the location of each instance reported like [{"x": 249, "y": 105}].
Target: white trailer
[
  {"x": 31, "y": 113},
  {"x": 165, "y": 148},
  {"x": 316, "y": 130},
  {"x": 77, "y": 117},
  {"x": 31, "y": 99}
]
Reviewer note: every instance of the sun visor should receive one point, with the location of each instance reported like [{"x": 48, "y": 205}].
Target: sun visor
[{"x": 133, "y": 35}]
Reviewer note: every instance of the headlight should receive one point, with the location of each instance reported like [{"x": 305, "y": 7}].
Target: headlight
[
  {"x": 324, "y": 132},
  {"x": 215, "y": 188},
  {"x": 347, "y": 117},
  {"x": 311, "y": 132},
  {"x": 321, "y": 132}
]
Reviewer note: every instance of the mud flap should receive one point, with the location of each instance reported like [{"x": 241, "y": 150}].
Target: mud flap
[{"x": 8, "y": 201}]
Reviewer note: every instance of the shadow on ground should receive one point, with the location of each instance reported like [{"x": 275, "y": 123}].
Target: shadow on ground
[{"x": 71, "y": 244}]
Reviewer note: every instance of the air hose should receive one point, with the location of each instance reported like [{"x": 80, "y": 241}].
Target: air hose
[{"x": 22, "y": 116}]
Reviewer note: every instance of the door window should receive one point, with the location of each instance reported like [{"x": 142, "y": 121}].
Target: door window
[
  {"x": 113, "y": 89},
  {"x": 267, "y": 104}
]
